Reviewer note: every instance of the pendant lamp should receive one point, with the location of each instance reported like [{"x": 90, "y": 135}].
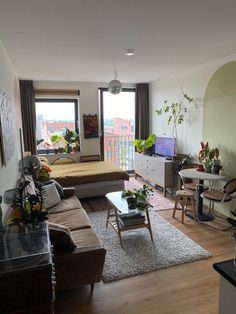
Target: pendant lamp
[{"x": 115, "y": 86}]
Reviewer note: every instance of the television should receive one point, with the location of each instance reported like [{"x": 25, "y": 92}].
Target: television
[{"x": 165, "y": 146}]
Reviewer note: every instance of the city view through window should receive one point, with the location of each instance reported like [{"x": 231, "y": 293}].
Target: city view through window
[
  {"x": 53, "y": 118},
  {"x": 119, "y": 128}
]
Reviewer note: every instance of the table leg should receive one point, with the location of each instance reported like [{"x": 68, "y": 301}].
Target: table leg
[
  {"x": 149, "y": 224},
  {"x": 108, "y": 216},
  {"x": 118, "y": 229},
  {"x": 200, "y": 214}
]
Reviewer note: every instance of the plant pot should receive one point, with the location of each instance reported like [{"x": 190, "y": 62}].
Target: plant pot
[
  {"x": 61, "y": 150},
  {"x": 75, "y": 149},
  {"x": 207, "y": 168},
  {"x": 55, "y": 150},
  {"x": 216, "y": 169}
]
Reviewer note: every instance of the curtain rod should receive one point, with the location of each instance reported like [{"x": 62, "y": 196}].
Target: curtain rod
[{"x": 56, "y": 92}]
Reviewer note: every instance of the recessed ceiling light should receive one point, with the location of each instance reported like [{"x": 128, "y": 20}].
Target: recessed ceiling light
[{"x": 129, "y": 52}]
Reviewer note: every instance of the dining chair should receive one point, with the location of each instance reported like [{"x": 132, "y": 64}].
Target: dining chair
[{"x": 220, "y": 195}]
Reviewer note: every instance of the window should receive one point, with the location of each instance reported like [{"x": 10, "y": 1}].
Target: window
[{"x": 53, "y": 117}]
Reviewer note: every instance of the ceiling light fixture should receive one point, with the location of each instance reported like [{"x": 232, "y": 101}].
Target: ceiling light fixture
[
  {"x": 115, "y": 86},
  {"x": 129, "y": 52}
]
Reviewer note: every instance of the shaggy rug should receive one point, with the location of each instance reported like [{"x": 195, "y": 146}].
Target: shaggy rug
[{"x": 140, "y": 255}]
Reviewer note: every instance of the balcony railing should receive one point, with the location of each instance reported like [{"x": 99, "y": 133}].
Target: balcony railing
[{"x": 119, "y": 150}]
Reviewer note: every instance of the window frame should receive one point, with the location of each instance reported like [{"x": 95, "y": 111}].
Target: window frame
[{"x": 60, "y": 100}]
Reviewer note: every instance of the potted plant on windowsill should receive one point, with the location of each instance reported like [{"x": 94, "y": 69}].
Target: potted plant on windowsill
[
  {"x": 57, "y": 143},
  {"x": 72, "y": 139}
]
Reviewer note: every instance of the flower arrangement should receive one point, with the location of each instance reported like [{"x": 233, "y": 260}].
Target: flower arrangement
[
  {"x": 27, "y": 208},
  {"x": 44, "y": 172},
  {"x": 138, "y": 199}
]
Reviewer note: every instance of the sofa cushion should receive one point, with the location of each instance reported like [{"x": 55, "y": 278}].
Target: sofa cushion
[
  {"x": 50, "y": 195},
  {"x": 66, "y": 205},
  {"x": 85, "y": 238},
  {"x": 74, "y": 219},
  {"x": 61, "y": 238}
]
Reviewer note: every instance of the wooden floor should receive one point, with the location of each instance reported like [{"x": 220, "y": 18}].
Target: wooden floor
[{"x": 183, "y": 289}]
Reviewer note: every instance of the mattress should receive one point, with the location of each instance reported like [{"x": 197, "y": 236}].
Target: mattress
[{"x": 88, "y": 172}]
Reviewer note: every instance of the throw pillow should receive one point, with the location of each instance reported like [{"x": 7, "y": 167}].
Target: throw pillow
[
  {"x": 61, "y": 238},
  {"x": 50, "y": 195},
  {"x": 60, "y": 189}
]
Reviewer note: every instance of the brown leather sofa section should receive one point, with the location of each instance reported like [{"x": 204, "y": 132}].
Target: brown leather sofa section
[{"x": 84, "y": 265}]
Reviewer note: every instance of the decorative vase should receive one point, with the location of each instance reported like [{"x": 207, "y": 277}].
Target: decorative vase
[
  {"x": 216, "y": 169},
  {"x": 207, "y": 168}
]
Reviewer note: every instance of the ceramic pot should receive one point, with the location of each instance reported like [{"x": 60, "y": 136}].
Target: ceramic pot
[{"x": 216, "y": 169}]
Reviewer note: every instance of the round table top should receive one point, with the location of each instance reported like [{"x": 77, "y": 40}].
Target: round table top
[{"x": 200, "y": 175}]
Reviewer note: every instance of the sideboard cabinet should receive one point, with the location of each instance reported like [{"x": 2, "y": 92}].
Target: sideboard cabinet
[{"x": 156, "y": 169}]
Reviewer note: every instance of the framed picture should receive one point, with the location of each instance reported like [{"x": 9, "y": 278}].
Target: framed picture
[
  {"x": 6, "y": 128},
  {"x": 90, "y": 125}
]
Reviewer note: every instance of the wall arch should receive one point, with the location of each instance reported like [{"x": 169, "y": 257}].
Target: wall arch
[{"x": 219, "y": 115}]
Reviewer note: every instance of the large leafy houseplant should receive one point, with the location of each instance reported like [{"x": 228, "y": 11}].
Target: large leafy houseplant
[{"x": 144, "y": 146}]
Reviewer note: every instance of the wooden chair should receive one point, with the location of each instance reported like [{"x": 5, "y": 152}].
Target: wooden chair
[
  {"x": 182, "y": 198},
  {"x": 220, "y": 195}
]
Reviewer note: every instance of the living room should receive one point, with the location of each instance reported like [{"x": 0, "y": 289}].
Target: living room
[{"x": 179, "y": 47}]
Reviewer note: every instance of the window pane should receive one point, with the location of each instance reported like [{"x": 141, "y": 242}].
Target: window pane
[{"x": 53, "y": 118}]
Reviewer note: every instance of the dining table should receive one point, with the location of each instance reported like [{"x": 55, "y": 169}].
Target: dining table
[{"x": 201, "y": 176}]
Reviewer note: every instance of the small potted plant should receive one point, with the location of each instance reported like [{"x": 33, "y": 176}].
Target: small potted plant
[
  {"x": 72, "y": 139},
  {"x": 209, "y": 157},
  {"x": 145, "y": 146},
  {"x": 138, "y": 198},
  {"x": 56, "y": 139}
]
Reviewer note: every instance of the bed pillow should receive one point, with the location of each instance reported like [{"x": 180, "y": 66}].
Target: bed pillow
[
  {"x": 50, "y": 195},
  {"x": 61, "y": 238}
]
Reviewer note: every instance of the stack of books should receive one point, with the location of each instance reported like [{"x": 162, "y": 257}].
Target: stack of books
[{"x": 131, "y": 218}]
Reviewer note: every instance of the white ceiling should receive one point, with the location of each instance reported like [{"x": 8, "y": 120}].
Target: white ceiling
[{"x": 78, "y": 40}]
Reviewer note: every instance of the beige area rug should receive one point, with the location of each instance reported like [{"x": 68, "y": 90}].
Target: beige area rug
[{"x": 140, "y": 255}]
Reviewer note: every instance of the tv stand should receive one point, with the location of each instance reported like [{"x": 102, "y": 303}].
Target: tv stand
[{"x": 156, "y": 169}]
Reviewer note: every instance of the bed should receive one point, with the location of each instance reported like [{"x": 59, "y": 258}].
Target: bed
[{"x": 90, "y": 178}]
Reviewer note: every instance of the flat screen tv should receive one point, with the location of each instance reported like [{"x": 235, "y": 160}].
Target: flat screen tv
[{"x": 165, "y": 146}]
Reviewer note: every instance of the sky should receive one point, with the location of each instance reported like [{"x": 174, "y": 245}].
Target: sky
[
  {"x": 56, "y": 111},
  {"x": 119, "y": 106}
]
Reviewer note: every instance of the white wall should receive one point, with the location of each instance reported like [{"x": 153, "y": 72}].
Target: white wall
[
  {"x": 9, "y": 84},
  {"x": 194, "y": 83}
]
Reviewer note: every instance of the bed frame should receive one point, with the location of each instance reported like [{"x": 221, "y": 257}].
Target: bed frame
[{"x": 98, "y": 188}]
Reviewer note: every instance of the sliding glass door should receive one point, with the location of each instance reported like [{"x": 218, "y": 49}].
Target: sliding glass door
[{"x": 118, "y": 127}]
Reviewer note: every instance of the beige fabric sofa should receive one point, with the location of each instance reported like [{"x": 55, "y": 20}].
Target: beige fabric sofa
[{"x": 84, "y": 265}]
